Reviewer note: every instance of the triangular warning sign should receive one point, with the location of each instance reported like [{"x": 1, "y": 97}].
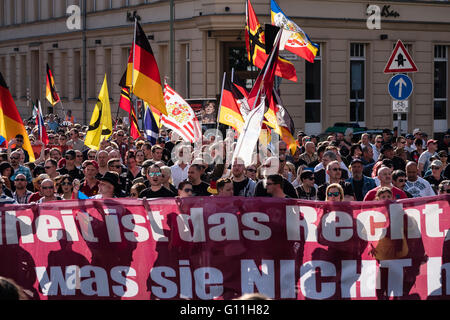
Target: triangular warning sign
[{"x": 400, "y": 60}]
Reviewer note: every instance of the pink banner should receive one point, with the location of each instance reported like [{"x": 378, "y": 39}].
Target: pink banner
[{"x": 219, "y": 248}]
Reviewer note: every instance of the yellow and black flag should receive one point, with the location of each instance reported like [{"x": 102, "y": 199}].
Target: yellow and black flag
[
  {"x": 100, "y": 127},
  {"x": 143, "y": 74},
  {"x": 256, "y": 47},
  {"x": 51, "y": 94}
]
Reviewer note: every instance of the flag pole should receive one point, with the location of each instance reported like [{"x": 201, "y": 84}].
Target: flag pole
[{"x": 220, "y": 103}]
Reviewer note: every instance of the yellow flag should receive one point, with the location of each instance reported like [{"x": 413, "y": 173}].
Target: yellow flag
[{"x": 100, "y": 127}]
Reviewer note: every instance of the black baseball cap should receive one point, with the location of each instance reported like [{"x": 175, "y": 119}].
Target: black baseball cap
[{"x": 357, "y": 160}]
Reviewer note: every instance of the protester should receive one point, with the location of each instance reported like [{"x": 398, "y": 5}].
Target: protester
[
  {"x": 385, "y": 177},
  {"x": 69, "y": 167},
  {"x": 242, "y": 185},
  {"x": 334, "y": 192},
  {"x": 270, "y": 167},
  {"x": 334, "y": 171},
  {"x": 48, "y": 191},
  {"x": 424, "y": 159},
  {"x": 383, "y": 193},
  {"x": 274, "y": 186},
  {"x": 359, "y": 182},
  {"x": 185, "y": 189},
  {"x": 136, "y": 189},
  {"x": 444, "y": 187},
  {"x": 65, "y": 188},
  {"x": 200, "y": 188},
  {"x": 399, "y": 181},
  {"x": 156, "y": 189},
  {"x": 225, "y": 187},
  {"x": 307, "y": 189},
  {"x": 4, "y": 198},
  {"x": 22, "y": 194},
  {"x": 416, "y": 185},
  {"x": 436, "y": 177}
]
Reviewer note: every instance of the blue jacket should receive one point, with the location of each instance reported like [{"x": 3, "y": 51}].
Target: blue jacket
[{"x": 368, "y": 184}]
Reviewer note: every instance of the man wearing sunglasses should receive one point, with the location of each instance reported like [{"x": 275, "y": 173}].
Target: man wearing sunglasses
[
  {"x": 22, "y": 194},
  {"x": 48, "y": 191},
  {"x": 18, "y": 141},
  {"x": 19, "y": 169},
  {"x": 334, "y": 171},
  {"x": 69, "y": 167},
  {"x": 307, "y": 190},
  {"x": 50, "y": 167},
  {"x": 399, "y": 181},
  {"x": 156, "y": 189}
]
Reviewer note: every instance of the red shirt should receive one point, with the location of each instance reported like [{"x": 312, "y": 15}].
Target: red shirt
[
  {"x": 90, "y": 192},
  {"x": 396, "y": 194}
]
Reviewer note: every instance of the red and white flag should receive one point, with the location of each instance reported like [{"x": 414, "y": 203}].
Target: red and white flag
[{"x": 180, "y": 116}]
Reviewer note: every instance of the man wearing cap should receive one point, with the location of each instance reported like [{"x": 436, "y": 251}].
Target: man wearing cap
[
  {"x": 89, "y": 186},
  {"x": 70, "y": 168},
  {"x": 435, "y": 178},
  {"x": 387, "y": 152},
  {"x": 307, "y": 189},
  {"x": 409, "y": 144},
  {"x": 360, "y": 183},
  {"x": 424, "y": 159},
  {"x": 415, "y": 184}
]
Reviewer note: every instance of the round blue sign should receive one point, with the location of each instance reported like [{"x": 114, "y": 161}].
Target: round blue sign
[{"x": 400, "y": 87}]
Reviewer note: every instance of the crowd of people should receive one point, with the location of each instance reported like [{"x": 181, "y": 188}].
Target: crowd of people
[{"x": 341, "y": 168}]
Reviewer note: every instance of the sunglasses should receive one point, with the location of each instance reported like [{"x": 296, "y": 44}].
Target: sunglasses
[
  {"x": 379, "y": 141},
  {"x": 334, "y": 194},
  {"x": 154, "y": 174},
  {"x": 188, "y": 190},
  {"x": 120, "y": 135},
  {"x": 270, "y": 183},
  {"x": 336, "y": 169},
  {"x": 79, "y": 156},
  {"x": 48, "y": 167},
  {"x": 435, "y": 168},
  {"x": 311, "y": 178},
  {"x": 401, "y": 180},
  {"x": 47, "y": 188},
  {"x": 15, "y": 158},
  {"x": 20, "y": 180},
  {"x": 69, "y": 158}
]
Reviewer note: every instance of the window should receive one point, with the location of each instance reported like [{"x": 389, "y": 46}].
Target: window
[
  {"x": 440, "y": 82},
  {"x": 92, "y": 75},
  {"x": 23, "y": 76},
  {"x": 313, "y": 90},
  {"x": 235, "y": 57},
  {"x": 185, "y": 69},
  {"x": 77, "y": 75},
  {"x": 12, "y": 76},
  {"x": 357, "y": 82}
]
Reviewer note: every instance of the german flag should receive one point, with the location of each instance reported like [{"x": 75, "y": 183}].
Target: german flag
[
  {"x": 51, "y": 94},
  {"x": 230, "y": 113},
  {"x": 134, "y": 126},
  {"x": 146, "y": 82},
  {"x": 10, "y": 121},
  {"x": 239, "y": 85},
  {"x": 256, "y": 47},
  {"x": 125, "y": 100}
]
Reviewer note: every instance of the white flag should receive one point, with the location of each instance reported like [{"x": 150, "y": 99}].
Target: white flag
[
  {"x": 248, "y": 139},
  {"x": 180, "y": 116}
]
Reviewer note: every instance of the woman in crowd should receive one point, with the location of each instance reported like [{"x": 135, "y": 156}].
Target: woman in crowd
[
  {"x": 65, "y": 188},
  {"x": 334, "y": 192},
  {"x": 6, "y": 171},
  {"x": 140, "y": 157},
  {"x": 136, "y": 189},
  {"x": 289, "y": 172},
  {"x": 185, "y": 189}
]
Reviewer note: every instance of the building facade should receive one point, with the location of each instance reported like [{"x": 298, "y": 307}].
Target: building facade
[{"x": 345, "y": 84}]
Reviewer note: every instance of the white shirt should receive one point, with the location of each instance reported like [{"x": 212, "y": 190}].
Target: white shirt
[
  {"x": 178, "y": 174},
  {"x": 419, "y": 188}
]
